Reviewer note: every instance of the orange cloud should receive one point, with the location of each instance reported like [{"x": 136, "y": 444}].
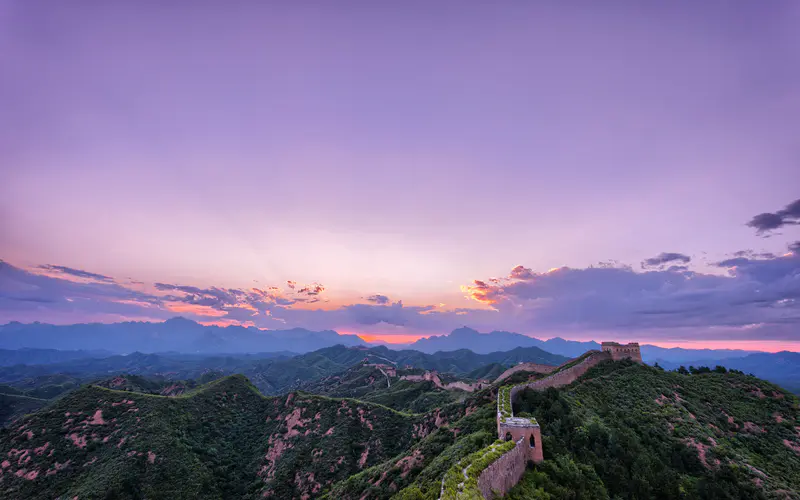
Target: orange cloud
[
  {"x": 480, "y": 291},
  {"x": 179, "y": 307}
]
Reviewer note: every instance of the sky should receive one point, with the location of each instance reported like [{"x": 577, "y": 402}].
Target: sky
[{"x": 399, "y": 170}]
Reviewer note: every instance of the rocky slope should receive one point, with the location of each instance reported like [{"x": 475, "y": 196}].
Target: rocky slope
[{"x": 223, "y": 441}]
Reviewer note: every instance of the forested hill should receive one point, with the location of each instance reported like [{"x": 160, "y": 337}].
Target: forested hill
[
  {"x": 275, "y": 374},
  {"x": 627, "y": 431},
  {"x": 224, "y": 440},
  {"x": 621, "y": 431},
  {"x": 633, "y": 431},
  {"x": 27, "y": 387}
]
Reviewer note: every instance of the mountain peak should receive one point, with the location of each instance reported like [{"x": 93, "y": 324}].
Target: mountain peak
[
  {"x": 464, "y": 331},
  {"x": 179, "y": 320}
]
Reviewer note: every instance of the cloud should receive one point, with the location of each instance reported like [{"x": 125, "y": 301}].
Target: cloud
[
  {"x": 49, "y": 293},
  {"x": 752, "y": 291},
  {"x": 31, "y": 296},
  {"x": 521, "y": 273},
  {"x": 76, "y": 273},
  {"x": 769, "y": 221},
  {"x": 313, "y": 289},
  {"x": 754, "y": 255},
  {"x": 379, "y": 299},
  {"x": 665, "y": 258},
  {"x": 750, "y": 295}
]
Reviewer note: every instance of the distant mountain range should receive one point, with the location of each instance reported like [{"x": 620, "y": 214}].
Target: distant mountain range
[
  {"x": 186, "y": 336},
  {"x": 29, "y": 356},
  {"x": 177, "y": 334},
  {"x": 467, "y": 338},
  {"x": 27, "y": 385},
  {"x": 782, "y": 368},
  {"x": 273, "y": 373}
]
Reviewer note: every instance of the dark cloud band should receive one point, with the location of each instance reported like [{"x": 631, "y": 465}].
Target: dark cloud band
[{"x": 769, "y": 221}]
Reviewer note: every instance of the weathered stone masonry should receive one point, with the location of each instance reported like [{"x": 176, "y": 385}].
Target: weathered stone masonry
[
  {"x": 622, "y": 351},
  {"x": 527, "y": 367},
  {"x": 505, "y": 472}
]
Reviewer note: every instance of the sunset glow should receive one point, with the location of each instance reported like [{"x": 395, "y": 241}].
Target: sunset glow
[
  {"x": 391, "y": 339},
  {"x": 312, "y": 169}
]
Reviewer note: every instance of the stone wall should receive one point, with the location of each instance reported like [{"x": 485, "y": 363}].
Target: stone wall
[
  {"x": 388, "y": 370},
  {"x": 426, "y": 377},
  {"x": 505, "y": 472},
  {"x": 527, "y": 367},
  {"x": 564, "y": 377},
  {"x": 463, "y": 386},
  {"x": 434, "y": 377},
  {"x": 502, "y": 475}
]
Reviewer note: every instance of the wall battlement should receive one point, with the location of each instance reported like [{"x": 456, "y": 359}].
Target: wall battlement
[{"x": 619, "y": 352}]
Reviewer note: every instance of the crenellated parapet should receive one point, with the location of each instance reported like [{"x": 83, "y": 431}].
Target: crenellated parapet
[{"x": 619, "y": 352}]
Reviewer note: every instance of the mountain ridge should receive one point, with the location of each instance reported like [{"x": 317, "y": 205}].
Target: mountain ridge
[{"x": 175, "y": 334}]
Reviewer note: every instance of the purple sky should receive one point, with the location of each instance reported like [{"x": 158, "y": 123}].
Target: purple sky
[{"x": 402, "y": 150}]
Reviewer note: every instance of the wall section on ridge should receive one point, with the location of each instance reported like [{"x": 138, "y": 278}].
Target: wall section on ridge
[
  {"x": 505, "y": 472},
  {"x": 525, "y": 367},
  {"x": 563, "y": 377}
]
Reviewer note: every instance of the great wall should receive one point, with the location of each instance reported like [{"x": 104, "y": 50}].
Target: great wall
[
  {"x": 499, "y": 472},
  {"x": 430, "y": 376}
]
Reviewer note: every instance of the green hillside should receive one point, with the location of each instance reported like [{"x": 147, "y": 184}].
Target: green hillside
[
  {"x": 223, "y": 440},
  {"x": 612, "y": 435},
  {"x": 16, "y": 405},
  {"x": 272, "y": 375},
  {"x": 623, "y": 431},
  {"x": 368, "y": 383},
  {"x": 632, "y": 431}
]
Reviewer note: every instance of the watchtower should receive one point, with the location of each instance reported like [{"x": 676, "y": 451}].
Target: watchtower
[
  {"x": 623, "y": 351},
  {"x": 514, "y": 428}
]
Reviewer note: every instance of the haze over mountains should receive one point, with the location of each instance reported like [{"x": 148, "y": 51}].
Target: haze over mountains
[
  {"x": 467, "y": 338},
  {"x": 179, "y": 340},
  {"x": 176, "y": 334},
  {"x": 186, "y": 336}
]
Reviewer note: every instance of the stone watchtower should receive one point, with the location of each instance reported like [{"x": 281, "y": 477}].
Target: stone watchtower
[
  {"x": 516, "y": 428},
  {"x": 623, "y": 351}
]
